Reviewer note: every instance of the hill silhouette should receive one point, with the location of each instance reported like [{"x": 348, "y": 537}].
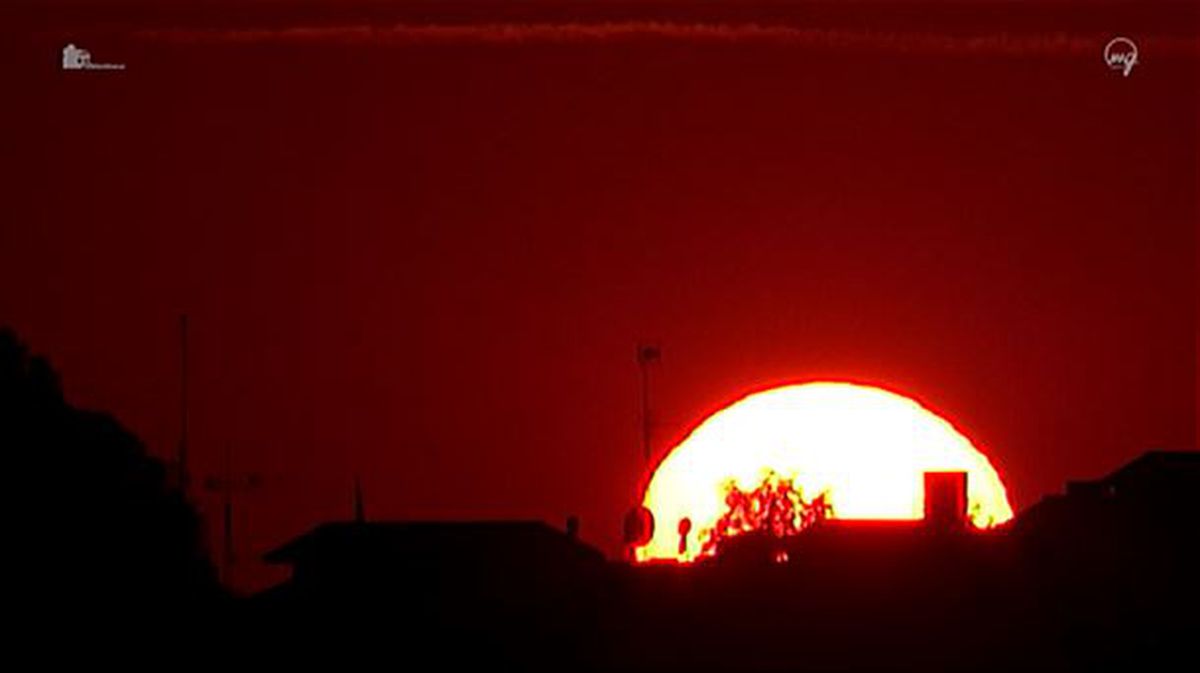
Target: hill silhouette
[{"x": 99, "y": 524}]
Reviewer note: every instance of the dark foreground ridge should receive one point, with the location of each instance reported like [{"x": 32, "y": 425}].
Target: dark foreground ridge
[{"x": 1101, "y": 577}]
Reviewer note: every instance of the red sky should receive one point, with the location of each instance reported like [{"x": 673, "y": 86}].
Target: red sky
[{"x": 426, "y": 256}]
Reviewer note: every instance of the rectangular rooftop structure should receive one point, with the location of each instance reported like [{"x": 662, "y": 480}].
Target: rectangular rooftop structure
[{"x": 946, "y": 500}]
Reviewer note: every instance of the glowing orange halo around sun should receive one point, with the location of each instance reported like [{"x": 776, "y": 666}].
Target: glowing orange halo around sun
[{"x": 867, "y": 448}]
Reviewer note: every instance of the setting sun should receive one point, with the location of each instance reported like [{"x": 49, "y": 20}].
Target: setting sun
[{"x": 864, "y": 448}]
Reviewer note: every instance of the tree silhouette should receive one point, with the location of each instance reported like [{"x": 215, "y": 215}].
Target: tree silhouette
[
  {"x": 98, "y": 519},
  {"x": 776, "y": 508}
]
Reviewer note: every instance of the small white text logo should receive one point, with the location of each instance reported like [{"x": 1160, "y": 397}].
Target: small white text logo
[
  {"x": 1121, "y": 54},
  {"x": 74, "y": 58}
]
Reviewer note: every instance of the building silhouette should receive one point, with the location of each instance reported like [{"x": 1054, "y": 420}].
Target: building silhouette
[{"x": 1113, "y": 561}]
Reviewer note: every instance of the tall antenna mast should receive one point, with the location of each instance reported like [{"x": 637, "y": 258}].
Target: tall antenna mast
[
  {"x": 182, "y": 457},
  {"x": 646, "y": 355}
]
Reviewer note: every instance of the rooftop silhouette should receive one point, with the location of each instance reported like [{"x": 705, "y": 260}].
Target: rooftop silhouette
[{"x": 1101, "y": 574}]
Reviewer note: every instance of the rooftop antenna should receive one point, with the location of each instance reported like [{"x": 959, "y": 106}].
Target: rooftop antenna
[
  {"x": 182, "y": 458},
  {"x": 360, "y": 515},
  {"x": 647, "y": 354}
]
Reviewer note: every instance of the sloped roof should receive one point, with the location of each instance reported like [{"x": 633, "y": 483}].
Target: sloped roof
[
  {"x": 1155, "y": 467},
  {"x": 493, "y": 539}
]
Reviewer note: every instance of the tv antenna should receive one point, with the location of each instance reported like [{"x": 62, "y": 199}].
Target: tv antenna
[
  {"x": 227, "y": 486},
  {"x": 360, "y": 510}
]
